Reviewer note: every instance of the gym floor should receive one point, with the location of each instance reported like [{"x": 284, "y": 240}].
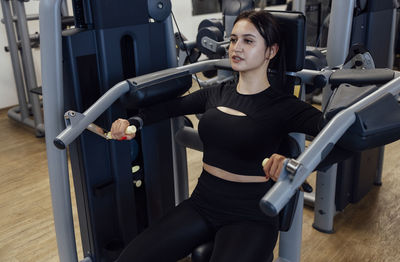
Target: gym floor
[{"x": 366, "y": 231}]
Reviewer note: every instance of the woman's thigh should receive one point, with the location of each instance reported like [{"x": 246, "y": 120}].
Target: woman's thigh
[
  {"x": 172, "y": 238},
  {"x": 245, "y": 241}
]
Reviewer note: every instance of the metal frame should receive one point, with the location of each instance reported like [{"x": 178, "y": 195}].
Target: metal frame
[
  {"x": 52, "y": 79},
  {"x": 53, "y": 104},
  {"x": 57, "y": 159},
  {"x": 277, "y": 197},
  {"x": 339, "y": 37},
  {"x": 281, "y": 192},
  {"x": 299, "y": 5},
  {"x": 25, "y": 77},
  {"x": 290, "y": 242}
]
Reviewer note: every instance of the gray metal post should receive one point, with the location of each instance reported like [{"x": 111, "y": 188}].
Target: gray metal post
[
  {"x": 290, "y": 242},
  {"x": 12, "y": 44},
  {"x": 389, "y": 64},
  {"x": 378, "y": 178},
  {"x": 392, "y": 40},
  {"x": 324, "y": 206},
  {"x": 29, "y": 67},
  {"x": 64, "y": 8},
  {"x": 52, "y": 79},
  {"x": 181, "y": 182},
  {"x": 339, "y": 31},
  {"x": 299, "y": 5},
  {"x": 299, "y": 137},
  {"x": 339, "y": 35}
]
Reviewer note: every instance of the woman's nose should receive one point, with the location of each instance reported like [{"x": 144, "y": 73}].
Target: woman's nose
[{"x": 237, "y": 46}]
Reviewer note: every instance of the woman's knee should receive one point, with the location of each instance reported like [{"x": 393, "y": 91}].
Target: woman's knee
[
  {"x": 171, "y": 238},
  {"x": 244, "y": 242}
]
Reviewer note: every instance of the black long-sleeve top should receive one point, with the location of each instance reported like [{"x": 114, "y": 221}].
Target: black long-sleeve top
[{"x": 234, "y": 143}]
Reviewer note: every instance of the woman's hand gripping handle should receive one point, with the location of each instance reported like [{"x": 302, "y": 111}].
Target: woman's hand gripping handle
[
  {"x": 121, "y": 130},
  {"x": 273, "y": 166}
]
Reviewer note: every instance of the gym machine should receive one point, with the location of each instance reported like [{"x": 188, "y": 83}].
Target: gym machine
[
  {"x": 121, "y": 188},
  {"x": 105, "y": 244},
  {"x": 361, "y": 35},
  {"x": 355, "y": 27},
  {"x": 20, "y": 44},
  {"x": 54, "y": 110},
  {"x": 139, "y": 92},
  {"x": 369, "y": 118}
]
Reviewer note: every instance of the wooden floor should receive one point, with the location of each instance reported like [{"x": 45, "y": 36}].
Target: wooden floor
[{"x": 366, "y": 231}]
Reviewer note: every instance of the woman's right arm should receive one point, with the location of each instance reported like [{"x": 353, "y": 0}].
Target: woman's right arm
[{"x": 193, "y": 103}]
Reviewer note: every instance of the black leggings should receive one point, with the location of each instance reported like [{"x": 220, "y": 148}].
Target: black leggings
[{"x": 219, "y": 210}]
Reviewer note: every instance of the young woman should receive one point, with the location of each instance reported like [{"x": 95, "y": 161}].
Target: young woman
[{"x": 242, "y": 123}]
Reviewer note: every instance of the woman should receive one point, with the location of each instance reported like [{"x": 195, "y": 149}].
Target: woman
[{"x": 241, "y": 125}]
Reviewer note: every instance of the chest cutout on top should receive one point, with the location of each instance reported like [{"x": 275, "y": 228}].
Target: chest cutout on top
[{"x": 230, "y": 111}]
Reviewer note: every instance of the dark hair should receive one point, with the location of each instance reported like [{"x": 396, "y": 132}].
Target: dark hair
[{"x": 269, "y": 29}]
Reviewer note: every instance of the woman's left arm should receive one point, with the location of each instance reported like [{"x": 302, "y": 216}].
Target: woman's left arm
[
  {"x": 309, "y": 120},
  {"x": 300, "y": 117}
]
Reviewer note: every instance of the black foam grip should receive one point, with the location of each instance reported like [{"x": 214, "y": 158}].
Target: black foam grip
[{"x": 150, "y": 95}]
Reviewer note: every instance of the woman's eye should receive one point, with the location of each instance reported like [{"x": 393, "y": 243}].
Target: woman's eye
[
  {"x": 248, "y": 41},
  {"x": 233, "y": 40}
]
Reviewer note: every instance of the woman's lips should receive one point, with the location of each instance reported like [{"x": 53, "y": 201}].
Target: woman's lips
[{"x": 236, "y": 59}]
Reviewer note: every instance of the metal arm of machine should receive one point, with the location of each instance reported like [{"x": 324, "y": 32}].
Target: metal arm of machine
[
  {"x": 281, "y": 192},
  {"x": 76, "y": 127}
]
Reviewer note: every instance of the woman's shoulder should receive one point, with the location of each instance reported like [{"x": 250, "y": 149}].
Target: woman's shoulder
[
  {"x": 277, "y": 93},
  {"x": 215, "y": 93},
  {"x": 286, "y": 100},
  {"x": 228, "y": 85},
  {"x": 223, "y": 89}
]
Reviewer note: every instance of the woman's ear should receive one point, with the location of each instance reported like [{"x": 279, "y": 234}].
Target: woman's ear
[{"x": 272, "y": 51}]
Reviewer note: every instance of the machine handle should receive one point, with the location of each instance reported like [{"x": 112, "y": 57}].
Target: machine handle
[
  {"x": 77, "y": 122},
  {"x": 76, "y": 127},
  {"x": 277, "y": 197}
]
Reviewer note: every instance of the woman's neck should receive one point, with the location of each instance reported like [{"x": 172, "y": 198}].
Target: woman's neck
[{"x": 252, "y": 82}]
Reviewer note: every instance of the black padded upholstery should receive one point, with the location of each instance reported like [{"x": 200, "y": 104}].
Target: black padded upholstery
[
  {"x": 292, "y": 25},
  {"x": 142, "y": 97},
  {"x": 361, "y": 77},
  {"x": 344, "y": 96}
]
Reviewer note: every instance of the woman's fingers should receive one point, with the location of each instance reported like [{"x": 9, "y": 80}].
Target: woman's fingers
[
  {"x": 118, "y": 129},
  {"x": 273, "y": 166},
  {"x": 276, "y": 169},
  {"x": 129, "y": 137},
  {"x": 267, "y": 167}
]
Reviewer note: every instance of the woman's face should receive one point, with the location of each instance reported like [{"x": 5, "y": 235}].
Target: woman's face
[{"x": 247, "y": 49}]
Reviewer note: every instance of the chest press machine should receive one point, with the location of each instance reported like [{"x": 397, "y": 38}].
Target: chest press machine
[{"x": 103, "y": 241}]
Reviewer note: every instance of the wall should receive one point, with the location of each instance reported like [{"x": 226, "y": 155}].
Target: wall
[
  {"x": 187, "y": 23},
  {"x": 8, "y": 96}
]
